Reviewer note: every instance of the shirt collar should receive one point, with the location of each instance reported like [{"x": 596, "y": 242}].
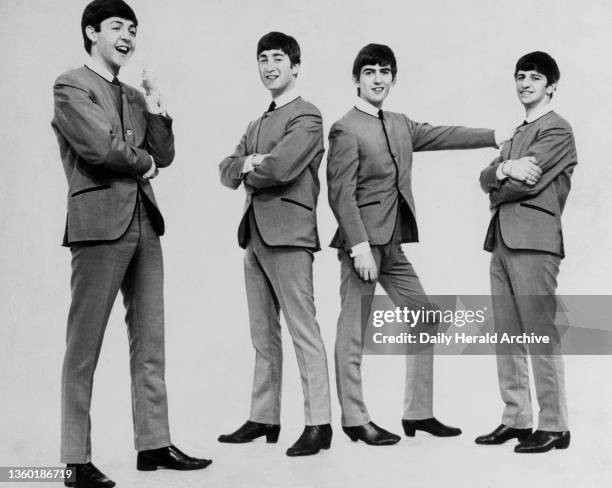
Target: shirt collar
[
  {"x": 539, "y": 112},
  {"x": 366, "y": 107},
  {"x": 100, "y": 69},
  {"x": 286, "y": 97}
]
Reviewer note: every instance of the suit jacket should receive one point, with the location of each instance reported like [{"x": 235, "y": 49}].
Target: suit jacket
[
  {"x": 283, "y": 190},
  {"x": 103, "y": 156},
  {"x": 366, "y": 181},
  {"x": 530, "y": 216}
]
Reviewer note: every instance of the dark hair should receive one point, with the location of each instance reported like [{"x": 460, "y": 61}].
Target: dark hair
[
  {"x": 278, "y": 40},
  {"x": 98, "y": 11},
  {"x": 374, "y": 54},
  {"x": 541, "y": 62}
]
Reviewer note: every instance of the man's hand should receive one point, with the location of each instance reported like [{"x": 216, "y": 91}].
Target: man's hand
[
  {"x": 153, "y": 99},
  {"x": 365, "y": 266},
  {"x": 503, "y": 135},
  {"x": 258, "y": 158},
  {"x": 525, "y": 169}
]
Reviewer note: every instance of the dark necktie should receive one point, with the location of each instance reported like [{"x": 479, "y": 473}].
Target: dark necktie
[
  {"x": 271, "y": 107},
  {"x": 382, "y": 121},
  {"x": 116, "y": 82}
]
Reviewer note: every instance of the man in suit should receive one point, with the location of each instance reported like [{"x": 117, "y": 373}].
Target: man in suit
[
  {"x": 277, "y": 162},
  {"x": 112, "y": 141},
  {"x": 528, "y": 185},
  {"x": 369, "y": 181}
]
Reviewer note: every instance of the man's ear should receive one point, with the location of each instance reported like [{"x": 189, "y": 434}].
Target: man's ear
[
  {"x": 295, "y": 69},
  {"x": 394, "y": 80},
  {"x": 91, "y": 34},
  {"x": 550, "y": 89}
]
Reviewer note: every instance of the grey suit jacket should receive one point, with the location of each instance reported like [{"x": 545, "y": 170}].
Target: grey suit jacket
[
  {"x": 284, "y": 189},
  {"x": 103, "y": 161},
  {"x": 530, "y": 216},
  {"x": 365, "y": 181}
]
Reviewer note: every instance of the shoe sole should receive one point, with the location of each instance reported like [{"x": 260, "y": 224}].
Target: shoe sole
[
  {"x": 155, "y": 467},
  {"x": 558, "y": 445}
]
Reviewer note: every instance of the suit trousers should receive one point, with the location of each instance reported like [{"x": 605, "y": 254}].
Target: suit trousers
[
  {"x": 280, "y": 278},
  {"x": 401, "y": 283},
  {"x": 523, "y": 285},
  {"x": 133, "y": 264}
]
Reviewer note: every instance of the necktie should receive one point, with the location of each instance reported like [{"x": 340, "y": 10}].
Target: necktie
[
  {"x": 116, "y": 82},
  {"x": 382, "y": 121},
  {"x": 271, "y": 107}
]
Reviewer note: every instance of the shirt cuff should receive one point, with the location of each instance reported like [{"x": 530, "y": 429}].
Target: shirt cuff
[
  {"x": 248, "y": 164},
  {"x": 499, "y": 173},
  {"x": 151, "y": 171},
  {"x": 360, "y": 248}
]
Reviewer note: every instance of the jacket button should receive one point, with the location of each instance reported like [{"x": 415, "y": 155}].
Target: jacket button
[{"x": 129, "y": 132}]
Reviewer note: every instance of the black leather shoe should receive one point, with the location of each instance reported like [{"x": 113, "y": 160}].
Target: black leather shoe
[
  {"x": 252, "y": 430},
  {"x": 169, "y": 457},
  {"x": 313, "y": 439},
  {"x": 88, "y": 476},
  {"x": 502, "y": 434},
  {"x": 432, "y": 425},
  {"x": 372, "y": 434},
  {"x": 544, "y": 441}
]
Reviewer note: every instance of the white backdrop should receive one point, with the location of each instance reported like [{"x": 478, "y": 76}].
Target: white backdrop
[{"x": 455, "y": 61}]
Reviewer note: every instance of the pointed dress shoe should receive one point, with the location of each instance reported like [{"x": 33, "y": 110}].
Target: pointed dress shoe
[
  {"x": 371, "y": 434},
  {"x": 431, "y": 425},
  {"x": 169, "y": 457},
  {"x": 88, "y": 476},
  {"x": 252, "y": 430},
  {"x": 502, "y": 434},
  {"x": 313, "y": 439},
  {"x": 544, "y": 441}
]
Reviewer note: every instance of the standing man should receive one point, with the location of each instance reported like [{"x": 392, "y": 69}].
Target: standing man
[
  {"x": 277, "y": 161},
  {"x": 112, "y": 141},
  {"x": 369, "y": 179},
  {"x": 528, "y": 185}
]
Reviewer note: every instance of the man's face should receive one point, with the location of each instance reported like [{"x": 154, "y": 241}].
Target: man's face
[
  {"x": 374, "y": 83},
  {"x": 276, "y": 72},
  {"x": 114, "y": 44},
  {"x": 532, "y": 89}
]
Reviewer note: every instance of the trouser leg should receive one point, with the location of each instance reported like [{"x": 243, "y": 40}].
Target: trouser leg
[
  {"x": 355, "y": 302},
  {"x": 142, "y": 290},
  {"x": 290, "y": 273},
  {"x": 97, "y": 273},
  {"x": 400, "y": 281},
  {"x": 266, "y": 339}
]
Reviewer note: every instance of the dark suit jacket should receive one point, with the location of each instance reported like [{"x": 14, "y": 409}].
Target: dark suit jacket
[
  {"x": 530, "y": 216},
  {"x": 102, "y": 161},
  {"x": 283, "y": 190},
  {"x": 365, "y": 181}
]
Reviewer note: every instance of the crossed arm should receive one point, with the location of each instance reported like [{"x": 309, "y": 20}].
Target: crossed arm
[
  {"x": 285, "y": 162},
  {"x": 552, "y": 151}
]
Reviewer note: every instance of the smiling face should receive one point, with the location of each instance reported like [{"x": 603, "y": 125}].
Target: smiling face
[
  {"x": 114, "y": 44},
  {"x": 374, "y": 83},
  {"x": 533, "y": 89},
  {"x": 276, "y": 72}
]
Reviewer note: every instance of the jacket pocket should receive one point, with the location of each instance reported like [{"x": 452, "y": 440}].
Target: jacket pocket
[
  {"x": 87, "y": 190},
  {"x": 288, "y": 200},
  {"x": 377, "y": 202},
  {"x": 535, "y": 207}
]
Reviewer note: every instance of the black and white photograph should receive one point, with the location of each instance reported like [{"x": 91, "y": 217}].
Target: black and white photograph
[{"x": 303, "y": 244}]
